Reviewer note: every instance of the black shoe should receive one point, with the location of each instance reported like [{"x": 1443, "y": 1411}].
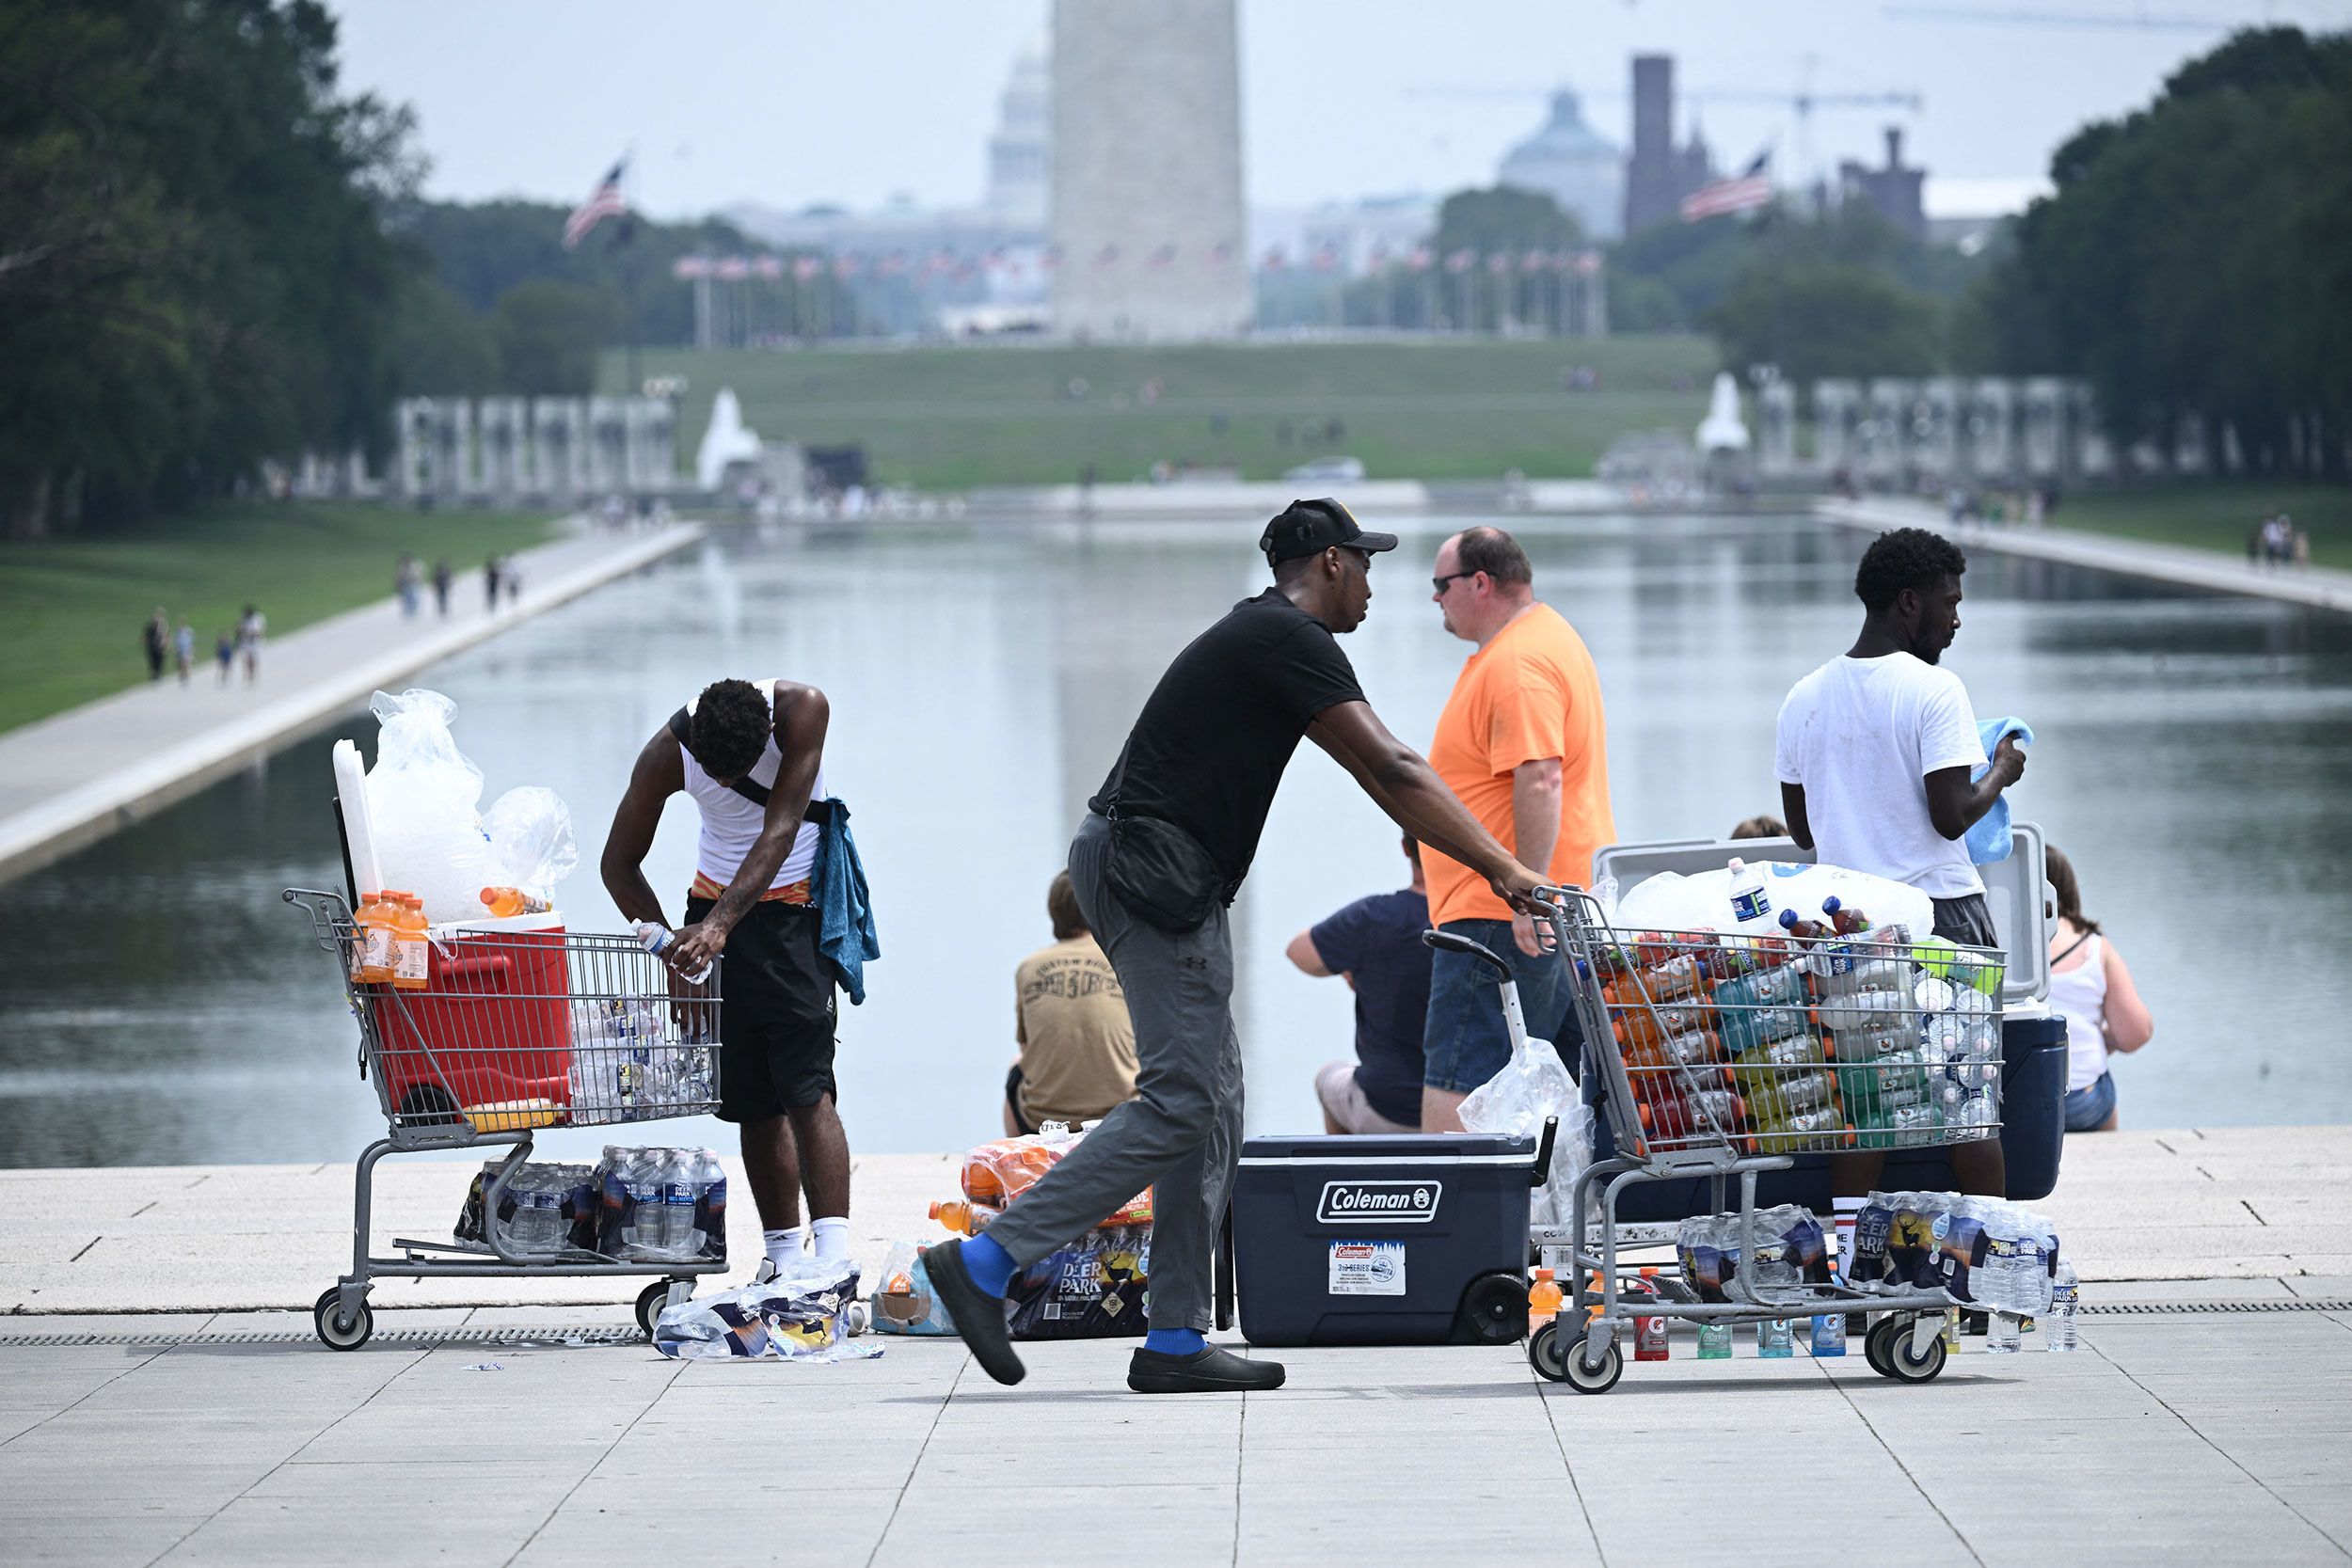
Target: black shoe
[
  {"x": 1975, "y": 1322},
  {"x": 1212, "y": 1370},
  {"x": 978, "y": 1317}
]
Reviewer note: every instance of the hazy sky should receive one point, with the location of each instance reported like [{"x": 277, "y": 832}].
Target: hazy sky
[{"x": 787, "y": 104}]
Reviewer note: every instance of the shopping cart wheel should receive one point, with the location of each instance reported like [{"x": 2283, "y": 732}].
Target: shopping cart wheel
[
  {"x": 1874, "y": 1345},
  {"x": 1905, "y": 1366},
  {"x": 1544, "y": 1353},
  {"x": 650, "y": 1302},
  {"x": 1493, "y": 1310},
  {"x": 337, "y": 1331},
  {"x": 1594, "y": 1380}
]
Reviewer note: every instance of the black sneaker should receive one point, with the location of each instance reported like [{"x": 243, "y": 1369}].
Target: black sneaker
[
  {"x": 1212, "y": 1370},
  {"x": 978, "y": 1317}
]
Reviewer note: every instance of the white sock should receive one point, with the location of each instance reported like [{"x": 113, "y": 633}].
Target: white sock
[
  {"x": 832, "y": 1236},
  {"x": 783, "y": 1245},
  {"x": 1846, "y": 1211}
]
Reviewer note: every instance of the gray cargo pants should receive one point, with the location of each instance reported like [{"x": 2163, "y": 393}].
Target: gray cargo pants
[{"x": 1182, "y": 1132}]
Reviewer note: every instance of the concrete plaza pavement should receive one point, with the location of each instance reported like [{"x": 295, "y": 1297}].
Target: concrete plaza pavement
[
  {"x": 2209, "y": 1412},
  {"x": 2166, "y": 1438}
]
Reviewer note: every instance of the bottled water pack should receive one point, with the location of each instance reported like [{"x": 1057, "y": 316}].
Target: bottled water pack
[{"x": 661, "y": 1205}]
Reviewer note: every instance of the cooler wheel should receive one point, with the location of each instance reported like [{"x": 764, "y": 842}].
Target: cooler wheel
[{"x": 1493, "y": 1310}]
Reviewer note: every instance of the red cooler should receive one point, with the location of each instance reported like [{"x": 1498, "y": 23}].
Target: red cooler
[{"x": 491, "y": 1027}]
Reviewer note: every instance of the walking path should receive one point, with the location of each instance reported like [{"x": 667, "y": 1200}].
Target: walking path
[
  {"x": 2198, "y": 1416},
  {"x": 77, "y": 776},
  {"x": 2323, "y": 587}
]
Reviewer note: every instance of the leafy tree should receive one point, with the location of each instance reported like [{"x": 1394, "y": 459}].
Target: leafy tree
[
  {"x": 549, "y": 334},
  {"x": 2196, "y": 258},
  {"x": 1816, "y": 316},
  {"x": 192, "y": 273}
]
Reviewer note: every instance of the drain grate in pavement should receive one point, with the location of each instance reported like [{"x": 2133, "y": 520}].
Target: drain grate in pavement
[
  {"x": 555, "y": 1335},
  {"x": 545, "y": 1335},
  {"x": 2166, "y": 1310}
]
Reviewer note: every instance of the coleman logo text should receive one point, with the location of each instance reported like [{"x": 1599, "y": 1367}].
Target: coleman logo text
[{"x": 1380, "y": 1202}]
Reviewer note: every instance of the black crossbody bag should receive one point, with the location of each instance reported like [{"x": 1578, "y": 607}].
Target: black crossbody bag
[
  {"x": 1161, "y": 872},
  {"x": 681, "y": 722}
]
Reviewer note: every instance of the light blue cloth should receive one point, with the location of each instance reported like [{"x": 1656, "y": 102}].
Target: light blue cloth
[
  {"x": 1988, "y": 841},
  {"x": 845, "y": 936}
]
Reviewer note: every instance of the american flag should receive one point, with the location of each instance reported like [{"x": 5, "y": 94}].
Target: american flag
[
  {"x": 605, "y": 201},
  {"x": 1743, "y": 192}
]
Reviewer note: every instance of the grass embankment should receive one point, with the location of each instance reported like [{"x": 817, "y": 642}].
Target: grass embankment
[
  {"x": 1001, "y": 414},
  {"x": 2216, "y": 515},
  {"x": 70, "y": 609}
]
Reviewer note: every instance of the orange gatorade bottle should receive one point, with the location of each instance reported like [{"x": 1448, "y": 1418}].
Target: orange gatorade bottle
[
  {"x": 412, "y": 953},
  {"x": 504, "y": 901},
  {"x": 371, "y": 941},
  {"x": 1543, "y": 1300},
  {"x": 964, "y": 1219}
]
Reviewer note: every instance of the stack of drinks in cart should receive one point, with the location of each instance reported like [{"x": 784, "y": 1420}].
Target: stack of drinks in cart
[
  {"x": 1092, "y": 1288},
  {"x": 1787, "y": 1033},
  {"x": 638, "y": 1205},
  {"x": 1997, "y": 1256},
  {"x": 624, "y": 1068}
]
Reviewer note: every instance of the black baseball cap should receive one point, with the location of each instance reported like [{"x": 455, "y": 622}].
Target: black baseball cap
[{"x": 1310, "y": 527}]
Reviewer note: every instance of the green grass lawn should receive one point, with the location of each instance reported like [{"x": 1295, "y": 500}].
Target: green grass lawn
[
  {"x": 2216, "y": 515},
  {"x": 71, "y": 609},
  {"x": 1001, "y": 414}
]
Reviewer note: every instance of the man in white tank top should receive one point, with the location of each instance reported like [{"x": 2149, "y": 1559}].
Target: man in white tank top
[{"x": 751, "y": 755}]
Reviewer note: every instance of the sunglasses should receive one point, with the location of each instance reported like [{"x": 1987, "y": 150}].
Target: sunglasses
[{"x": 1440, "y": 583}]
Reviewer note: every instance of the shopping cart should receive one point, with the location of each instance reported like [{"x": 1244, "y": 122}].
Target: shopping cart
[
  {"x": 1724, "y": 1055},
  {"x": 514, "y": 1030}
]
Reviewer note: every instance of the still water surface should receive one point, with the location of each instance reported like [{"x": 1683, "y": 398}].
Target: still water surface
[{"x": 160, "y": 1004}]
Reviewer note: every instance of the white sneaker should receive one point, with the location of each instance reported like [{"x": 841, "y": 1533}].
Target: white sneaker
[{"x": 766, "y": 1272}]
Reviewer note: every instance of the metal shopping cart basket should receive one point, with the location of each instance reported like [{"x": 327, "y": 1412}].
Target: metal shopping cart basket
[
  {"x": 515, "y": 1030},
  {"x": 1722, "y": 1055}
]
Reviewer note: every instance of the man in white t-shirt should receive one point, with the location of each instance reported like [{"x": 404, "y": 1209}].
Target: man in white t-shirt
[{"x": 1875, "y": 753}]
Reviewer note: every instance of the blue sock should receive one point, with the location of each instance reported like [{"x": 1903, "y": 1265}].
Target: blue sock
[
  {"x": 990, "y": 1265},
  {"x": 1176, "y": 1341}
]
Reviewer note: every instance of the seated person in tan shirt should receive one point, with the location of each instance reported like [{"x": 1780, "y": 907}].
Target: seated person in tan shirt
[{"x": 1077, "y": 1046}]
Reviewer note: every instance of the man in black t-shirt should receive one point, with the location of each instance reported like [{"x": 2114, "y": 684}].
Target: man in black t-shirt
[{"x": 1162, "y": 852}]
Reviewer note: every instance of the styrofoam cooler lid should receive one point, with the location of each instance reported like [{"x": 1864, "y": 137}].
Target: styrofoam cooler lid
[{"x": 359, "y": 831}]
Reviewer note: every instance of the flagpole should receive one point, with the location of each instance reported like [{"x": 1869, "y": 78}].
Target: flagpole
[{"x": 628, "y": 274}]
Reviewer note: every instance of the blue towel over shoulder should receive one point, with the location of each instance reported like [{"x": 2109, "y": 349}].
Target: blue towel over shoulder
[
  {"x": 1988, "y": 841},
  {"x": 845, "y": 938}
]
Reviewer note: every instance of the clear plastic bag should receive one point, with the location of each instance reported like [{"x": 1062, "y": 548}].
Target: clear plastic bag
[
  {"x": 800, "y": 1315},
  {"x": 423, "y": 796},
  {"x": 905, "y": 1303},
  {"x": 1532, "y": 1087}
]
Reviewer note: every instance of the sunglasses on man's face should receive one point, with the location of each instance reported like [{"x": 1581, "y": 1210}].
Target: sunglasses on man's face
[{"x": 1440, "y": 584}]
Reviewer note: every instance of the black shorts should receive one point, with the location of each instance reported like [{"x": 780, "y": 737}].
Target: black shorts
[
  {"x": 1966, "y": 920},
  {"x": 776, "y": 1013}
]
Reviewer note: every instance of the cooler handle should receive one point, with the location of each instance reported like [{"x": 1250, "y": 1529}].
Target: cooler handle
[{"x": 1542, "y": 1173}]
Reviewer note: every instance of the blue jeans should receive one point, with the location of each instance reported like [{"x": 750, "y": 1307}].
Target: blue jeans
[
  {"x": 1466, "y": 1041},
  {"x": 2089, "y": 1107}
]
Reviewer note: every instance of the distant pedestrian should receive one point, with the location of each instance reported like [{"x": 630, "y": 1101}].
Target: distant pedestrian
[
  {"x": 251, "y": 627},
  {"x": 184, "y": 651},
  {"x": 490, "y": 583},
  {"x": 511, "y": 576},
  {"x": 405, "y": 581},
  {"x": 1762, "y": 825},
  {"x": 155, "y": 639},
  {"x": 225, "y": 656},
  {"x": 441, "y": 578}
]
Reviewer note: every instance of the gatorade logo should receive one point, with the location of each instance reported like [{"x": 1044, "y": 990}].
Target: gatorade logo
[{"x": 1380, "y": 1202}]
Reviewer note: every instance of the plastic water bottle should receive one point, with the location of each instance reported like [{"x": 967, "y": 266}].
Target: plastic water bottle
[
  {"x": 1714, "y": 1340},
  {"x": 2065, "y": 1295},
  {"x": 657, "y": 939},
  {"x": 1750, "y": 904},
  {"x": 678, "y": 1203},
  {"x": 2000, "y": 1335},
  {"x": 1774, "y": 1340}
]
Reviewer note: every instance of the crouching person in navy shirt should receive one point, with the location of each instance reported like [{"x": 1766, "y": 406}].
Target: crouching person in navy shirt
[{"x": 1375, "y": 945}]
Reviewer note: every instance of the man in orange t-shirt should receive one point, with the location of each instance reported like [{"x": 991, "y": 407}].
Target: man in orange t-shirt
[{"x": 1522, "y": 742}]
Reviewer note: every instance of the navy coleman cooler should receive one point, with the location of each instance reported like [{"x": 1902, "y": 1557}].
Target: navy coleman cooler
[{"x": 1412, "y": 1240}]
